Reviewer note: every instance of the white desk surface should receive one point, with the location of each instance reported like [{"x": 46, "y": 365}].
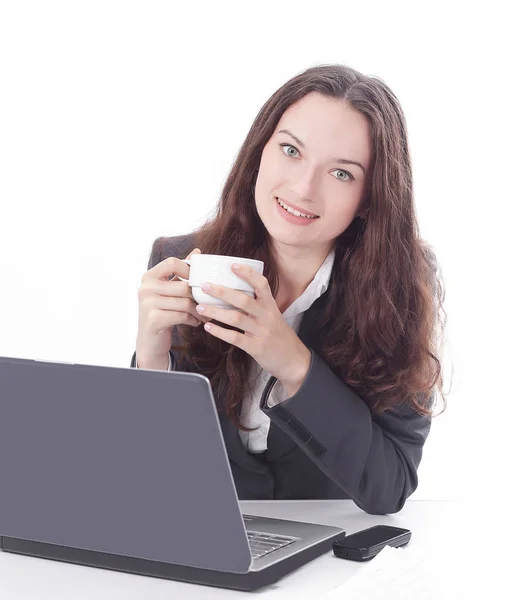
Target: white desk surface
[{"x": 482, "y": 544}]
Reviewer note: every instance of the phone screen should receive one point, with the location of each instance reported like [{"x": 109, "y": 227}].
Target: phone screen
[{"x": 371, "y": 537}]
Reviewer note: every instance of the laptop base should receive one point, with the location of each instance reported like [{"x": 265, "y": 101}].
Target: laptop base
[{"x": 238, "y": 581}]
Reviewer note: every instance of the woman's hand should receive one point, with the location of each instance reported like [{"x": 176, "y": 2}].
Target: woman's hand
[
  {"x": 267, "y": 337},
  {"x": 163, "y": 303}
]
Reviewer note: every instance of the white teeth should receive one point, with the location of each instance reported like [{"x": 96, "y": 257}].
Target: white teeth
[{"x": 294, "y": 212}]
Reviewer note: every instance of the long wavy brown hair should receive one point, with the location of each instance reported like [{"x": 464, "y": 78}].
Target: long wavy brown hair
[{"x": 381, "y": 329}]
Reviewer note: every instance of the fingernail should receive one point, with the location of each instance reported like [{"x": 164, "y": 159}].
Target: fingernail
[{"x": 207, "y": 287}]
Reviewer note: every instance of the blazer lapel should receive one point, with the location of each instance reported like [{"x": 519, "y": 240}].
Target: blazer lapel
[{"x": 278, "y": 442}]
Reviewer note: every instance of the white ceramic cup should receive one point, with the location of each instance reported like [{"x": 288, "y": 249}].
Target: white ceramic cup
[{"x": 215, "y": 268}]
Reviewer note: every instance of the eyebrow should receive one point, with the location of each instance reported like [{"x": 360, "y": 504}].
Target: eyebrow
[{"x": 344, "y": 161}]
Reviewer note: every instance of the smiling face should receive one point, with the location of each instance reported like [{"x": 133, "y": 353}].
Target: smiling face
[{"x": 307, "y": 165}]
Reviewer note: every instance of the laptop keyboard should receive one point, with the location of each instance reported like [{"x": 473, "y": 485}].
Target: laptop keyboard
[{"x": 264, "y": 543}]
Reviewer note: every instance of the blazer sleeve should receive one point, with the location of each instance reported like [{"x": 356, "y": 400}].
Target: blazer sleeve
[{"x": 374, "y": 459}]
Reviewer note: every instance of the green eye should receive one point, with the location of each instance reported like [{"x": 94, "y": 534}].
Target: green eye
[
  {"x": 288, "y": 146},
  {"x": 349, "y": 176}
]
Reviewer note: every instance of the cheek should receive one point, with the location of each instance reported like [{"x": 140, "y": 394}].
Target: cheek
[
  {"x": 340, "y": 215},
  {"x": 272, "y": 167}
]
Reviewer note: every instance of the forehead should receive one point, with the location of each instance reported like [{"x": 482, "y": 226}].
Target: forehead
[{"x": 329, "y": 128}]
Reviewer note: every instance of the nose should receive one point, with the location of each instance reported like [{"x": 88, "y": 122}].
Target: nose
[{"x": 305, "y": 186}]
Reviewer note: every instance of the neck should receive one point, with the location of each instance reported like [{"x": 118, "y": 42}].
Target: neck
[{"x": 296, "y": 269}]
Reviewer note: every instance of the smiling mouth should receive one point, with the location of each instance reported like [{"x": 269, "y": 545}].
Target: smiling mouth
[{"x": 303, "y": 215}]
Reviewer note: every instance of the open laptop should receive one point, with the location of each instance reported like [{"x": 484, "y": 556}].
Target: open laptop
[{"x": 126, "y": 469}]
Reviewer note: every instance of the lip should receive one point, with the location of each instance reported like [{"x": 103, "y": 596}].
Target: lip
[{"x": 296, "y": 207}]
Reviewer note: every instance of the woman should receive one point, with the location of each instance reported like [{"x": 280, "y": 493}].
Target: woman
[{"x": 325, "y": 381}]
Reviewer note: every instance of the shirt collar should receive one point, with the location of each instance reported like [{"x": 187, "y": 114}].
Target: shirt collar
[{"x": 315, "y": 289}]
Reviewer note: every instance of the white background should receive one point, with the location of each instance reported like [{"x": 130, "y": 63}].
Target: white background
[{"x": 119, "y": 122}]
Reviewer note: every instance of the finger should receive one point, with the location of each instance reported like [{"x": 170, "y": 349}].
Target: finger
[
  {"x": 169, "y": 318},
  {"x": 174, "y": 277},
  {"x": 176, "y": 304},
  {"x": 229, "y": 335},
  {"x": 258, "y": 281},
  {"x": 194, "y": 251},
  {"x": 236, "y": 318},
  {"x": 175, "y": 288},
  {"x": 237, "y": 298},
  {"x": 166, "y": 269}
]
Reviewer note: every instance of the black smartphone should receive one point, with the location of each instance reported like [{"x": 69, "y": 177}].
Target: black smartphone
[{"x": 365, "y": 544}]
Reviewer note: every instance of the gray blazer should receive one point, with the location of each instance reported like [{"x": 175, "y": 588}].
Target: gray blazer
[{"x": 323, "y": 442}]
